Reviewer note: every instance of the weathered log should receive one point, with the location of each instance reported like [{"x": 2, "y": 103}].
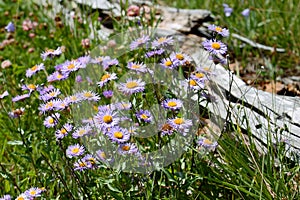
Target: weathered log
[{"x": 270, "y": 117}]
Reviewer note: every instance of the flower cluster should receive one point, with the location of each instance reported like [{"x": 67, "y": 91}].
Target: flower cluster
[
  {"x": 228, "y": 10},
  {"x": 119, "y": 109},
  {"x": 214, "y": 46}
]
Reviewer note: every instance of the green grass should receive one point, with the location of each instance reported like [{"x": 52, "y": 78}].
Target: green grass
[
  {"x": 272, "y": 23},
  {"x": 30, "y": 155}
]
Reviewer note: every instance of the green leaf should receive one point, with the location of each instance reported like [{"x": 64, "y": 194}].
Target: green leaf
[{"x": 7, "y": 186}]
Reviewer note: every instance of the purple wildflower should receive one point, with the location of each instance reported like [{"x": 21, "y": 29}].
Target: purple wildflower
[
  {"x": 63, "y": 131},
  {"x": 29, "y": 87},
  {"x": 154, "y": 52},
  {"x": 20, "y": 97},
  {"x": 119, "y": 135},
  {"x": 50, "y": 95},
  {"x": 89, "y": 95},
  {"x": 214, "y": 46},
  {"x": 221, "y": 31},
  {"x": 167, "y": 63},
  {"x": 109, "y": 62},
  {"x": 162, "y": 41},
  {"x": 81, "y": 165},
  {"x": 139, "y": 67},
  {"x": 123, "y": 105},
  {"x": 23, "y": 196},
  {"x": 139, "y": 42},
  {"x": 108, "y": 94},
  {"x": 207, "y": 144},
  {"x": 33, "y": 192},
  {"x": 4, "y": 94},
  {"x": 198, "y": 76},
  {"x": 101, "y": 155},
  {"x": 73, "y": 99},
  {"x": 50, "y": 105},
  {"x": 172, "y": 104},
  {"x": 106, "y": 78},
  {"x": 227, "y": 10},
  {"x": 57, "y": 76},
  {"x": 144, "y": 115},
  {"x": 100, "y": 59},
  {"x": 70, "y": 66},
  {"x": 106, "y": 119},
  {"x": 84, "y": 61},
  {"x": 246, "y": 12},
  {"x": 91, "y": 160},
  {"x": 59, "y": 67},
  {"x": 52, "y": 120},
  {"x": 33, "y": 70},
  {"x": 128, "y": 148},
  {"x": 6, "y": 197},
  {"x": 60, "y": 104},
  {"x": 180, "y": 123},
  {"x": 45, "y": 89},
  {"x": 78, "y": 79},
  {"x": 51, "y": 53},
  {"x": 132, "y": 86},
  {"x": 10, "y": 27},
  {"x": 82, "y": 131},
  {"x": 195, "y": 84},
  {"x": 74, "y": 150},
  {"x": 180, "y": 58}
]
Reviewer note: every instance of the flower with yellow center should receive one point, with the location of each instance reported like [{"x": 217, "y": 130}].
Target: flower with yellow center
[
  {"x": 126, "y": 148},
  {"x": 131, "y": 84},
  {"x": 81, "y": 132},
  {"x": 35, "y": 67},
  {"x": 118, "y": 135},
  {"x": 51, "y": 121},
  {"x": 180, "y": 124},
  {"x": 179, "y": 56},
  {"x": 162, "y": 39},
  {"x": 105, "y": 77},
  {"x": 49, "y": 105},
  {"x": 168, "y": 63},
  {"x": 218, "y": 29},
  {"x": 31, "y": 86},
  {"x": 88, "y": 94},
  {"x": 199, "y": 75},
  {"x": 136, "y": 66},
  {"x": 178, "y": 121},
  {"x": 75, "y": 150},
  {"x": 71, "y": 66},
  {"x": 172, "y": 104},
  {"x": 59, "y": 76},
  {"x": 192, "y": 82},
  {"x": 63, "y": 131},
  {"x": 102, "y": 155},
  {"x": 144, "y": 116},
  {"x": 216, "y": 45},
  {"x": 107, "y": 118}
]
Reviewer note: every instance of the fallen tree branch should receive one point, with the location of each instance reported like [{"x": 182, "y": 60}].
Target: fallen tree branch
[{"x": 257, "y": 45}]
